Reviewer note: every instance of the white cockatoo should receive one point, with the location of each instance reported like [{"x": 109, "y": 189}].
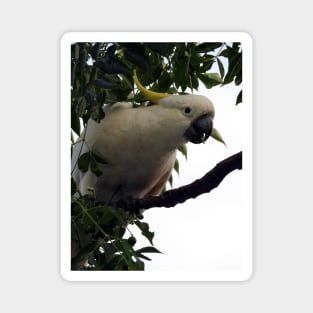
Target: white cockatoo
[{"x": 140, "y": 144}]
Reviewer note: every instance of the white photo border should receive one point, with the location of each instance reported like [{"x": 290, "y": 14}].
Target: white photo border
[{"x": 65, "y": 192}]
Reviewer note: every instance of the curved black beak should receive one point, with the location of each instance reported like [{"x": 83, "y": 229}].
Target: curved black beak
[{"x": 200, "y": 130}]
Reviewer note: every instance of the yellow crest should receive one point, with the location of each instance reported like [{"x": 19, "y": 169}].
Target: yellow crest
[{"x": 150, "y": 95}]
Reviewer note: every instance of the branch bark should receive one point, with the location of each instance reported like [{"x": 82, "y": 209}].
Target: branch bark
[{"x": 200, "y": 186}]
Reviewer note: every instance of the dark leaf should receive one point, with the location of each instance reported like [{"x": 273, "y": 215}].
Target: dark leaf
[
  {"x": 183, "y": 150},
  {"x": 207, "y": 63},
  {"x": 75, "y": 122},
  {"x": 81, "y": 106},
  {"x": 176, "y": 166},
  {"x": 239, "y": 98},
  {"x": 142, "y": 256},
  {"x": 97, "y": 114},
  {"x": 238, "y": 78},
  {"x": 76, "y": 51},
  {"x": 236, "y": 46},
  {"x": 91, "y": 260},
  {"x": 220, "y": 67},
  {"x": 82, "y": 56},
  {"x": 138, "y": 58},
  {"x": 234, "y": 68},
  {"x": 83, "y": 161},
  {"x": 94, "y": 51},
  {"x": 159, "y": 47},
  {"x": 112, "y": 65},
  {"x": 95, "y": 167},
  {"x": 111, "y": 50},
  {"x": 195, "y": 59},
  {"x": 119, "y": 231},
  {"x": 210, "y": 79},
  {"x": 107, "y": 217},
  {"x": 104, "y": 83},
  {"x": 181, "y": 67},
  {"x": 108, "y": 250},
  {"x": 226, "y": 52},
  {"x": 144, "y": 227},
  {"x": 90, "y": 96},
  {"x": 148, "y": 250},
  {"x": 194, "y": 83},
  {"x": 73, "y": 68},
  {"x": 170, "y": 180},
  {"x": 99, "y": 158},
  {"x": 165, "y": 81},
  {"x": 208, "y": 46},
  {"x": 139, "y": 265},
  {"x": 77, "y": 261}
]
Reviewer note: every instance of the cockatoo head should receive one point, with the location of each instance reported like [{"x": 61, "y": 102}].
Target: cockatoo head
[{"x": 196, "y": 113}]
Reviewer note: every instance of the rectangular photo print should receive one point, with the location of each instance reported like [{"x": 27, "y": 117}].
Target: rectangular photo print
[{"x": 156, "y": 178}]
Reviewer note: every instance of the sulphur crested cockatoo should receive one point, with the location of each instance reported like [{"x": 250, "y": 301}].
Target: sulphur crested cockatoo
[{"x": 140, "y": 144}]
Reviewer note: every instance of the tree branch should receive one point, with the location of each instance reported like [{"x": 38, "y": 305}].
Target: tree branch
[{"x": 203, "y": 185}]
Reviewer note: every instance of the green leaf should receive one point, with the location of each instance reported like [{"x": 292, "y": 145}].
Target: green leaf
[
  {"x": 194, "y": 83},
  {"x": 208, "y": 46},
  {"x": 76, "y": 52},
  {"x": 181, "y": 66},
  {"x": 119, "y": 231},
  {"x": 95, "y": 167},
  {"x": 165, "y": 81},
  {"x": 239, "y": 98},
  {"x": 170, "y": 180},
  {"x": 208, "y": 62},
  {"x": 234, "y": 67},
  {"x": 75, "y": 122},
  {"x": 142, "y": 256},
  {"x": 148, "y": 250},
  {"x": 112, "y": 65},
  {"x": 97, "y": 114},
  {"x": 99, "y": 158},
  {"x": 176, "y": 166},
  {"x": 108, "y": 251},
  {"x": 144, "y": 227},
  {"x": 160, "y": 47},
  {"x": 106, "y": 216},
  {"x": 104, "y": 83},
  {"x": 238, "y": 78},
  {"x": 78, "y": 261},
  {"x": 139, "y": 265},
  {"x": 138, "y": 58},
  {"x": 95, "y": 50},
  {"x": 183, "y": 149},
  {"x": 220, "y": 67},
  {"x": 72, "y": 138},
  {"x": 217, "y": 136},
  {"x": 139, "y": 252},
  {"x": 210, "y": 79},
  {"x": 89, "y": 97},
  {"x": 83, "y": 162},
  {"x": 214, "y": 76}
]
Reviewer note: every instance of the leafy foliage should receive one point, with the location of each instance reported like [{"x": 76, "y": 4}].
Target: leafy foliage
[
  {"x": 100, "y": 230},
  {"x": 102, "y": 73}
]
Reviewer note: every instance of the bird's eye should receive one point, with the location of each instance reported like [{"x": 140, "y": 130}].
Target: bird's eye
[{"x": 187, "y": 110}]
